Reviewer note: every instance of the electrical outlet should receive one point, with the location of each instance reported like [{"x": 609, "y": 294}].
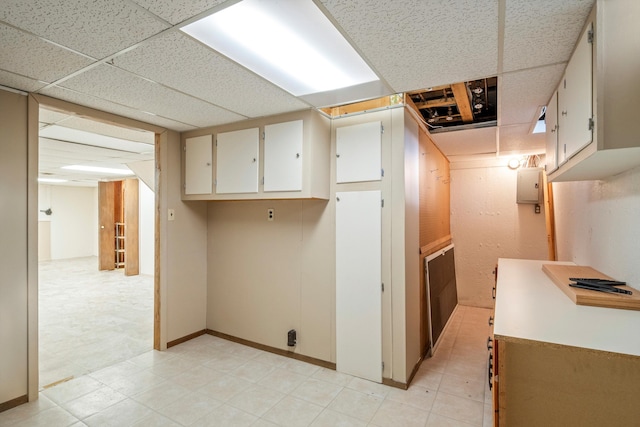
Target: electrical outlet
[
  {"x": 171, "y": 214},
  {"x": 270, "y": 214}
]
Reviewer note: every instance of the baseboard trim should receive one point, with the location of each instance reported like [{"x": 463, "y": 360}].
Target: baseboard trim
[
  {"x": 395, "y": 384},
  {"x": 186, "y": 338},
  {"x": 10, "y": 404},
  {"x": 274, "y": 350}
]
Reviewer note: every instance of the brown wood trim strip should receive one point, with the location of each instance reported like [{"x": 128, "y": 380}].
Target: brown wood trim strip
[
  {"x": 434, "y": 246},
  {"x": 396, "y": 384},
  {"x": 186, "y": 338},
  {"x": 10, "y": 404},
  {"x": 274, "y": 350},
  {"x": 156, "y": 249}
]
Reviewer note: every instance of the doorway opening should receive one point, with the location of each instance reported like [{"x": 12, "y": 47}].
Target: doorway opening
[{"x": 92, "y": 317}]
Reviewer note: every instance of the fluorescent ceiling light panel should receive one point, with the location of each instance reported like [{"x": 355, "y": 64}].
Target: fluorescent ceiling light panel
[
  {"x": 98, "y": 169},
  {"x": 288, "y": 42}
]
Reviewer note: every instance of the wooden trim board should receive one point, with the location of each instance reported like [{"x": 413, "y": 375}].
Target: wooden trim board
[
  {"x": 560, "y": 275},
  {"x": 10, "y": 404}
]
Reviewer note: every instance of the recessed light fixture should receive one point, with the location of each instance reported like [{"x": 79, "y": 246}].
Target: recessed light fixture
[
  {"x": 51, "y": 180},
  {"x": 98, "y": 169},
  {"x": 291, "y": 43}
]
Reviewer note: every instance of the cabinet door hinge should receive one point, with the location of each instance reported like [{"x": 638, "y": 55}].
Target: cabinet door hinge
[
  {"x": 591, "y": 124},
  {"x": 590, "y": 36},
  {"x": 264, "y": 136},
  {"x": 184, "y": 147},
  {"x": 383, "y": 287},
  {"x": 382, "y": 203},
  {"x": 382, "y": 173},
  {"x": 383, "y": 366},
  {"x": 381, "y": 128},
  {"x": 263, "y": 180},
  {"x": 215, "y": 182}
]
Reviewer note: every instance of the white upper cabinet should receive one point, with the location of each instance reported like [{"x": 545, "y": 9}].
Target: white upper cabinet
[
  {"x": 198, "y": 177},
  {"x": 359, "y": 152},
  {"x": 575, "y": 112},
  {"x": 551, "y": 124},
  {"x": 283, "y": 150},
  {"x": 278, "y": 157},
  {"x": 237, "y": 161},
  {"x": 602, "y": 84}
]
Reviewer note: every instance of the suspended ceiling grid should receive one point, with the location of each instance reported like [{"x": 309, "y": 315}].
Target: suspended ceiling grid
[{"x": 129, "y": 58}]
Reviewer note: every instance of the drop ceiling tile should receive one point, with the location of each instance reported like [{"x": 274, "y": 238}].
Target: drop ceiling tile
[
  {"x": 466, "y": 142},
  {"x": 541, "y": 32},
  {"x": 115, "y": 85},
  {"x": 176, "y": 11},
  {"x": 178, "y": 61},
  {"x": 523, "y": 92},
  {"x": 517, "y": 140},
  {"x": 415, "y": 44},
  {"x": 97, "y": 28},
  {"x": 115, "y": 108},
  {"x": 32, "y": 57},
  {"x": 18, "y": 82},
  {"x": 115, "y": 131}
]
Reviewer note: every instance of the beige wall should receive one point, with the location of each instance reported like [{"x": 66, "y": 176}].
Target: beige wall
[
  {"x": 14, "y": 175},
  {"x": 487, "y": 224},
  {"x": 183, "y": 249}
]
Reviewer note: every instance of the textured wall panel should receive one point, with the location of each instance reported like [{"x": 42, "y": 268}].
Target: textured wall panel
[
  {"x": 178, "y": 61},
  {"x": 422, "y": 43},
  {"x": 94, "y": 27},
  {"x": 541, "y": 32}
]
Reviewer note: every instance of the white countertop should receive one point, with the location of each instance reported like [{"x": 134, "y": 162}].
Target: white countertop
[{"x": 530, "y": 306}]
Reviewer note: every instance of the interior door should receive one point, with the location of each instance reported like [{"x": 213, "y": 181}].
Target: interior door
[
  {"x": 131, "y": 208},
  {"x": 106, "y": 221},
  {"x": 358, "y": 284}
]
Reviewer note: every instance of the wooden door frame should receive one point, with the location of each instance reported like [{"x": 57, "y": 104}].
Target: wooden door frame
[{"x": 35, "y": 101}]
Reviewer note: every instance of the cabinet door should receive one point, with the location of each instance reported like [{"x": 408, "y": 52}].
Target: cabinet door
[
  {"x": 359, "y": 152},
  {"x": 575, "y": 101},
  {"x": 551, "y": 124},
  {"x": 237, "y": 161},
  {"x": 283, "y": 156},
  {"x": 358, "y": 284},
  {"x": 198, "y": 174}
]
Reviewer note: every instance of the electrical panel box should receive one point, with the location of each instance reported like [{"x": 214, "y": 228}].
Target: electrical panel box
[{"x": 529, "y": 189}]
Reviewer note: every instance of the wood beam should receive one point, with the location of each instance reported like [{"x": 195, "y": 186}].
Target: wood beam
[
  {"x": 462, "y": 99},
  {"x": 443, "y": 102}
]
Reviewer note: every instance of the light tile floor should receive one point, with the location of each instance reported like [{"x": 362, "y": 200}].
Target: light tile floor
[
  {"x": 209, "y": 381},
  {"x": 90, "y": 319}
]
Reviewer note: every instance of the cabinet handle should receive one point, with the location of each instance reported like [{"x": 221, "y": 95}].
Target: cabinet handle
[
  {"x": 208, "y": 164},
  {"x": 254, "y": 160},
  {"x": 493, "y": 292},
  {"x": 490, "y": 320},
  {"x": 297, "y": 155},
  {"x": 489, "y": 343},
  {"x": 564, "y": 113}
]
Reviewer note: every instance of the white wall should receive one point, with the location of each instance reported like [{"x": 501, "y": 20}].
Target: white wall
[
  {"x": 487, "y": 224},
  {"x": 146, "y": 228},
  {"x": 597, "y": 224},
  {"x": 74, "y": 221}
]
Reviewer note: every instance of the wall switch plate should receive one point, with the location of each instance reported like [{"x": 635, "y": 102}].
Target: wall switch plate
[
  {"x": 270, "y": 214},
  {"x": 171, "y": 214}
]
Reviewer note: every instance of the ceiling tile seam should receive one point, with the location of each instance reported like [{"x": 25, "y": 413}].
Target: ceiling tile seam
[
  {"x": 126, "y": 106},
  {"x": 352, "y": 43},
  {"x": 519, "y": 70},
  {"x": 29, "y": 33},
  {"x": 148, "y": 12},
  {"x": 176, "y": 90}
]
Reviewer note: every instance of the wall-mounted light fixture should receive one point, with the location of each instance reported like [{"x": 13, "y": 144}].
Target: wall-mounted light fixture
[{"x": 514, "y": 163}]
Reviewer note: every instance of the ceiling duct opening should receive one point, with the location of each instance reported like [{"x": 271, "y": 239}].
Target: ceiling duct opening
[{"x": 459, "y": 106}]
